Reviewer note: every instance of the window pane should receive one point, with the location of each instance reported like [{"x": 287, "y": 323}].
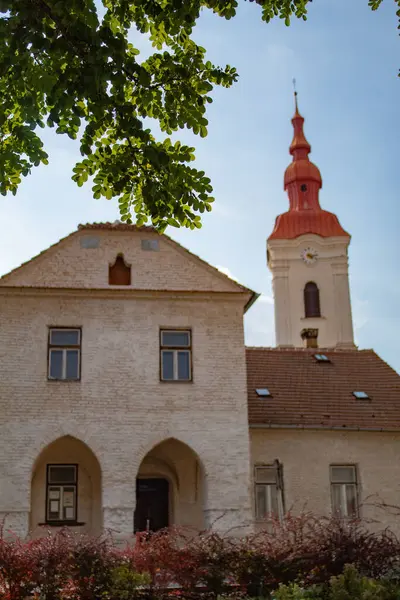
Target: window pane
[
  {"x": 351, "y": 498},
  {"x": 68, "y": 503},
  {"x": 54, "y": 510},
  {"x": 62, "y": 474},
  {"x": 56, "y": 361},
  {"x": 175, "y": 338},
  {"x": 261, "y": 501},
  {"x": 343, "y": 474},
  {"x": 64, "y": 337},
  {"x": 266, "y": 475},
  {"x": 167, "y": 364},
  {"x": 337, "y": 507},
  {"x": 183, "y": 365},
  {"x": 72, "y": 364},
  {"x": 273, "y": 508}
]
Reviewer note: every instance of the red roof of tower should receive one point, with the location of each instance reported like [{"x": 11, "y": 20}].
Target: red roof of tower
[{"x": 302, "y": 182}]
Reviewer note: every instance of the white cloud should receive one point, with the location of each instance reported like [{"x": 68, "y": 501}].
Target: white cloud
[
  {"x": 227, "y": 272},
  {"x": 259, "y": 323},
  {"x": 265, "y": 299},
  {"x": 361, "y": 316}
]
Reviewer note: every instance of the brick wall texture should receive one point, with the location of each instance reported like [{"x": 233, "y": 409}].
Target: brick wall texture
[{"x": 120, "y": 410}]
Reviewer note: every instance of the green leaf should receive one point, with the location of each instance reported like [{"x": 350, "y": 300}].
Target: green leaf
[{"x": 72, "y": 66}]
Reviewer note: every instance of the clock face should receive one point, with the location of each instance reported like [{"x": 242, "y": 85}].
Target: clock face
[{"x": 309, "y": 255}]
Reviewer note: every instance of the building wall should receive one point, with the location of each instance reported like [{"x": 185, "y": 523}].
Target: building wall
[
  {"x": 120, "y": 409},
  {"x": 289, "y": 277},
  {"x": 307, "y": 454},
  {"x": 83, "y": 259}
]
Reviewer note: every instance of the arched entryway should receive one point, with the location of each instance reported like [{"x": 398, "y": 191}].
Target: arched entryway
[
  {"x": 169, "y": 488},
  {"x": 66, "y": 488}
]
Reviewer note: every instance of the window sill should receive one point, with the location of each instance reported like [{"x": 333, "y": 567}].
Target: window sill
[
  {"x": 62, "y": 524},
  {"x": 63, "y": 380},
  {"x": 308, "y": 318},
  {"x": 176, "y": 380}
]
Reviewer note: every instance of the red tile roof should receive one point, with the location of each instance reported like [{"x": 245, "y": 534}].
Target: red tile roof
[
  {"x": 307, "y": 393},
  {"x": 294, "y": 223}
]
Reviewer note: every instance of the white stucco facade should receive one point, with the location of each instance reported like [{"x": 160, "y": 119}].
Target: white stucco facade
[{"x": 329, "y": 271}]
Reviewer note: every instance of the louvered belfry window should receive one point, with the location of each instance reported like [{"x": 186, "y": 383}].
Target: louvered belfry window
[{"x": 311, "y": 300}]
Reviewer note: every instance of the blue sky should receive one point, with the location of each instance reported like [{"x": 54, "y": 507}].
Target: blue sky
[{"x": 345, "y": 59}]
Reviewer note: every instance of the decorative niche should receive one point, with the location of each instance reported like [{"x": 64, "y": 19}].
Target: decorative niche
[{"x": 119, "y": 273}]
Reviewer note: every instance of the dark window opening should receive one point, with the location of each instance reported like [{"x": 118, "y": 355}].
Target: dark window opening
[
  {"x": 176, "y": 355},
  {"x": 64, "y": 354},
  {"x": 311, "y": 300},
  {"x": 120, "y": 272},
  {"x": 61, "y": 494},
  {"x": 303, "y": 187},
  {"x": 152, "y": 504}
]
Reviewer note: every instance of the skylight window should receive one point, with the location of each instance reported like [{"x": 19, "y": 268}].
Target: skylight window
[
  {"x": 263, "y": 392},
  {"x": 361, "y": 395},
  {"x": 321, "y": 358}
]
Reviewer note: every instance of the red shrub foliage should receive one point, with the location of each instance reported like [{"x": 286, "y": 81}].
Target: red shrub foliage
[
  {"x": 16, "y": 567},
  {"x": 302, "y": 548}
]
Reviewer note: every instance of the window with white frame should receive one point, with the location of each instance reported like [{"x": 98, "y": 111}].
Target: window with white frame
[
  {"x": 269, "y": 491},
  {"x": 344, "y": 490},
  {"x": 61, "y": 493},
  {"x": 64, "y": 353},
  {"x": 175, "y": 355}
]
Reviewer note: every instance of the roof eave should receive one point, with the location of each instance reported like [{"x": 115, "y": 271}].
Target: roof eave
[{"x": 254, "y": 296}]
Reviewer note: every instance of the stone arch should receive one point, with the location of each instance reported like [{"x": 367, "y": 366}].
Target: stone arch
[
  {"x": 175, "y": 461},
  {"x": 159, "y": 438},
  {"x": 45, "y": 437},
  {"x": 76, "y": 503}
]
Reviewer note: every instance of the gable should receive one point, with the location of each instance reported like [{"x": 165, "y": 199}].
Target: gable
[{"x": 156, "y": 262}]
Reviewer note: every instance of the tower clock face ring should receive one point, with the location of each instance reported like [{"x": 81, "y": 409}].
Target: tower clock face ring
[{"x": 309, "y": 255}]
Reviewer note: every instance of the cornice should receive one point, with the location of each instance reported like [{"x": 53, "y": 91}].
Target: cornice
[{"x": 121, "y": 293}]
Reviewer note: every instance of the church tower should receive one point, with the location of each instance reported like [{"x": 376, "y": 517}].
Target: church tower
[{"x": 307, "y": 254}]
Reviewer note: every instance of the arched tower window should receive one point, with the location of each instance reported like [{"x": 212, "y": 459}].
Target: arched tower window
[
  {"x": 311, "y": 300},
  {"x": 119, "y": 273}
]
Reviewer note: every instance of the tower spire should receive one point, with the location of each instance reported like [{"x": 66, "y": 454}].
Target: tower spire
[
  {"x": 302, "y": 182},
  {"x": 300, "y": 148}
]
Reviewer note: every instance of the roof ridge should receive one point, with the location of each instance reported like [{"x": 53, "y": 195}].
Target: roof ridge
[{"x": 310, "y": 350}]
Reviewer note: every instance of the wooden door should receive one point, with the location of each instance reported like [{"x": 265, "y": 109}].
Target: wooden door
[{"x": 152, "y": 505}]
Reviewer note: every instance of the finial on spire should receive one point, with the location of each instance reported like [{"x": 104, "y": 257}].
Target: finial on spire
[{"x": 295, "y": 97}]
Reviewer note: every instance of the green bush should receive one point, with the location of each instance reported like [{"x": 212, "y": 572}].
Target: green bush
[
  {"x": 350, "y": 585},
  {"x": 125, "y": 582}
]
